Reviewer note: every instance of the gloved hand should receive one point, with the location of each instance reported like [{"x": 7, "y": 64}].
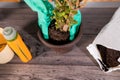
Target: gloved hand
[
  {"x": 74, "y": 29},
  {"x": 44, "y": 10}
]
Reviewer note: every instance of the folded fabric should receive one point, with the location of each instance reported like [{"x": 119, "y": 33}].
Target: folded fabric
[{"x": 105, "y": 48}]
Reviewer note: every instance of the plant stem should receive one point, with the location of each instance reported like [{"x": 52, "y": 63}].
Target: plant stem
[
  {"x": 70, "y": 4},
  {"x": 77, "y": 3},
  {"x": 59, "y": 2},
  {"x": 83, "y": 3}
]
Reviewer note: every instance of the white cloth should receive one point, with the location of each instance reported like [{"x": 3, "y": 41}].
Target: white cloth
[{"x": 109, "y": 37}]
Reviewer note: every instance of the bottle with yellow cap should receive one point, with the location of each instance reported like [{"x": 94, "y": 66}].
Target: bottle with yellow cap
[{"x": 16, "y": 43}]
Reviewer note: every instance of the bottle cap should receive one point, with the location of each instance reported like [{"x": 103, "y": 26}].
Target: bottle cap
[{"x": 9, "y": 33}]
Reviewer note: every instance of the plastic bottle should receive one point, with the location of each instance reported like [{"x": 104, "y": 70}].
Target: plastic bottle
[{"x": 16, "y": 43}]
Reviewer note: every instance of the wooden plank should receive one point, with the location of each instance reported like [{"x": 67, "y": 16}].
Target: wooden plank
[
  {"x": 42, "y": 55},
  {"x": 21, "y": 10},
  {"x": 26, "y": 18},
  {"x": 45, "y": 72},
  {"x": 9, "y": 0},
  {"x": 59, "y": 60},
  {"x": 94, "y": 20},
  {"x": 77, "y": 64}
]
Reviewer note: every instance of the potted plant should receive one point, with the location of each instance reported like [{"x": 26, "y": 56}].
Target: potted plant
[{"x": 63, "y": 24}]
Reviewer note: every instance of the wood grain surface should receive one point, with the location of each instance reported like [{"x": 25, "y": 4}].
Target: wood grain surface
[
  {"x": 46, "y": 64},
  {"x": 87, "y": 0},
  {"x": 10, "y": 0}
]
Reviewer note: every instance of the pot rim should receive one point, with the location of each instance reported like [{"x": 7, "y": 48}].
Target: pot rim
[{"x": 77, "y": 38}]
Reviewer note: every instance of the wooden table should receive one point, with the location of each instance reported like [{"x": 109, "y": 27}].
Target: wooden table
[{"x": 46, "y": 64}]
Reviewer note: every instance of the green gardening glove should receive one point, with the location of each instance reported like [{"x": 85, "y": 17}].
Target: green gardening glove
[
  {"x": 44, "y": 10},
  {"x": 74, "y": 29}
]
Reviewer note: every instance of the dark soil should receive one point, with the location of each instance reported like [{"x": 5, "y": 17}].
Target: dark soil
[
  {"x": 57, "y": 36},
  {"x": 109, "y": 56}
]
